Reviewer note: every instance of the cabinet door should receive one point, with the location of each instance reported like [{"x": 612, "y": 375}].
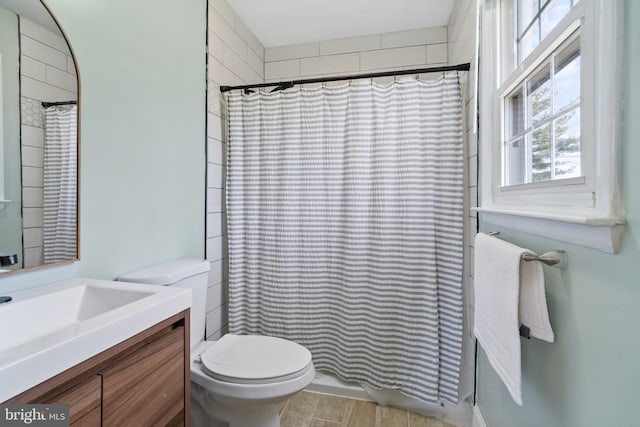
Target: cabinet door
[
  {"x": 146, "y": 386},
  {"x": 84, "y": 402}
]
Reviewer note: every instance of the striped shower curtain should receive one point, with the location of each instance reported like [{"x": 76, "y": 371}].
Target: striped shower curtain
[
  {"x": 60, "y": 183},
  {"x": 345, "y": 227}
]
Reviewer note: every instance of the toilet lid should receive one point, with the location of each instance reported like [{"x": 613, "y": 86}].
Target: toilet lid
[{"x": 255, "y": 359}]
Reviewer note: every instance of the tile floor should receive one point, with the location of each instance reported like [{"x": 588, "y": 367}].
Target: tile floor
[{"x": 307, "y": 409}]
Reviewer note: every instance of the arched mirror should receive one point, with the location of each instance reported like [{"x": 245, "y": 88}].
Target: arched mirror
[{"x": 38, "y": 140}]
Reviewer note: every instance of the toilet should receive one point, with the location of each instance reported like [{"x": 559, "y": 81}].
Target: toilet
[{"x": 238, "y": 379}]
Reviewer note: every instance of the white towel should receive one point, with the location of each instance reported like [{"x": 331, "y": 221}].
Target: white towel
[{"x": 507, "y": 291}]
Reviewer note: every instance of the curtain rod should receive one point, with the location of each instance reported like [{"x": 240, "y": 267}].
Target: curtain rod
[
  {"x": 53, "y": 104},
  {"x": 291, "y": 83}
]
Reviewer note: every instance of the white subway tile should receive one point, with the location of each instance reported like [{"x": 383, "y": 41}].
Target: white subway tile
[
  {"x": 219, "y": 73},
  {"x": 472, "y": 141},
  {"x": 32, "y": 237},
  {"x": 32, "y": 68},
  {"x": 215, "y": 45},
  {"x": 214, "y": 248},
  {"x": 215, "y": 335},
  {"x": 255, "y": 63},
  {"x": 293, "y": 51},
  {"x": 384, "y": 80},
  {"x": 225, "y": 31},
  {"x": 214, "y": 297},
  {"x": 473, "y": 171},
  {"x": 32, "y": 136},
  {"x": 214, "y": 224},
  {"x": 436, "y": 53},
  {"x": 214, "y": 99},
  {"x": 71, "y": 66},
  {"x": 239, "y": 66},
  {"x": 215, "y": 272},
  {"x": 415, "y": 37},
  {"x": 473, "y": 227},
  {"x": 215, "y": 150},
  {"x": 32, "y": 176},
  {"x": 251, "y": 40},
  {"x": 32, "y": 217},
  {"x": 214, "y": 200},
  {"x": 214, "y": 176},
  {"x": 473, "y": 197},
  {"x": 32, "y": 156},
  {"x": 431, "y": 76},
  {"x": 32, "y": 197},
  {"x": 43, "y": 53},
  {"x": 225, "y": 11},
  {"x": 352, "y": 44},
  {"x": 393, "y": 57},
  {"x": 33, "y": 257},
  {"x": 62, "y": 79},
  {"x": 215, "y": 320},
  {"x": 35, "y": 89},
  {"x": 282, "y": 69},
  {"x": 330, "y": 64},
  {"x": 43, "y": 35}
]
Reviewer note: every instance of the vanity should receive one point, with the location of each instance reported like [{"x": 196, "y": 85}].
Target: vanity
[{"x": 117, "y": 353}]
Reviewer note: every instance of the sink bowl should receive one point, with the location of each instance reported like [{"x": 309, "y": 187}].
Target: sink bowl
[
  {"x": 49, "y": 329},
  {"x": 41, "y": 315}
]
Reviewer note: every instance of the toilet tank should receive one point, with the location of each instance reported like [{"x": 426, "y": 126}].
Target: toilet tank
[{"x": 183, "y": 273}]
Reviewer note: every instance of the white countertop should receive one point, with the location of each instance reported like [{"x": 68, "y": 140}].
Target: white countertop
[{"x": 52, "y": 328}]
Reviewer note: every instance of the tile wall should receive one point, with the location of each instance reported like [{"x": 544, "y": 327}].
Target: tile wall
[
  {"x": 235, "y": 57},
  {"x": 424, "y": 47},
  {"x": 461, "y": 36},
  {"x": 47, "y": 73}
]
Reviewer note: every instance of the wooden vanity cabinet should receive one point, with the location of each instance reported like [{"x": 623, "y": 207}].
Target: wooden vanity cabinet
[{"x": 142, "y": 381}]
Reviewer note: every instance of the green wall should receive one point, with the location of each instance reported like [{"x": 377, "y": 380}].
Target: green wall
[
  {"x": 590, "y": 376},
  {"x": 10, "y": 215},
  {"x": 142, "y": 171}
]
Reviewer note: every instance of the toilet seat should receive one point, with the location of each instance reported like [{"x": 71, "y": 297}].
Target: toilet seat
[{"x": 255, "y": 359}]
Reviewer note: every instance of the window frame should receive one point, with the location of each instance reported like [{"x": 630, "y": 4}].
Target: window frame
[{"x": 591, "y": 203}]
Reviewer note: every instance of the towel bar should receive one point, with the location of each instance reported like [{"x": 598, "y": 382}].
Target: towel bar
[{"x": 552, "y": 258}]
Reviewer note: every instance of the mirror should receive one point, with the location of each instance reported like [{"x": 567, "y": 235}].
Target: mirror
[{"x": 38, "y": 140}]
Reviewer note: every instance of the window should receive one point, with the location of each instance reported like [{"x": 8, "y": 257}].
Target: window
[
  {"x": 542, "y": 126},
  {"x": 549, "y": 108},
  {"x": 536, "y": 19}
]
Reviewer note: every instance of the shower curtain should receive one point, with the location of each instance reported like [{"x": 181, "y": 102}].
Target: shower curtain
[
  {"x": 60, "y": 183},
  {"x": 345, "y": 227}
]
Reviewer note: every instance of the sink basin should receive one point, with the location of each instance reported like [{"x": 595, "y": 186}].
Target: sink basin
[
  {"x": 52, "y": 328},
  {"x": 41, "y": 315}
]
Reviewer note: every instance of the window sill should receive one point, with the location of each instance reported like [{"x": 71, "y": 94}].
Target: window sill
[{"x": 593, "y": 231}]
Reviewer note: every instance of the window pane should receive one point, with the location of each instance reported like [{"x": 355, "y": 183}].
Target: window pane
[
  {"x": 539, "y": 96},
  {"x": 515, "y": 107},
  {"x": 527, "y": 10},
  {"x": 541, "y": 153},
  {"x": 552, "y": 14},
  {"x": 529, "y": 42},
  {"x": 567, "y": 77},
  {"x": 516, "y": 154},
  {"x": 567, "y": 129}
]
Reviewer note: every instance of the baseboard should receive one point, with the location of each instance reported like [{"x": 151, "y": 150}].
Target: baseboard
[{"x": 478, "y": 419}]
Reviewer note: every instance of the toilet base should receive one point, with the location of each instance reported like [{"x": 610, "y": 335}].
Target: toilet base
[
  {"x": 266, "y": 416},
  {"x": 207, "y": 412}
]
